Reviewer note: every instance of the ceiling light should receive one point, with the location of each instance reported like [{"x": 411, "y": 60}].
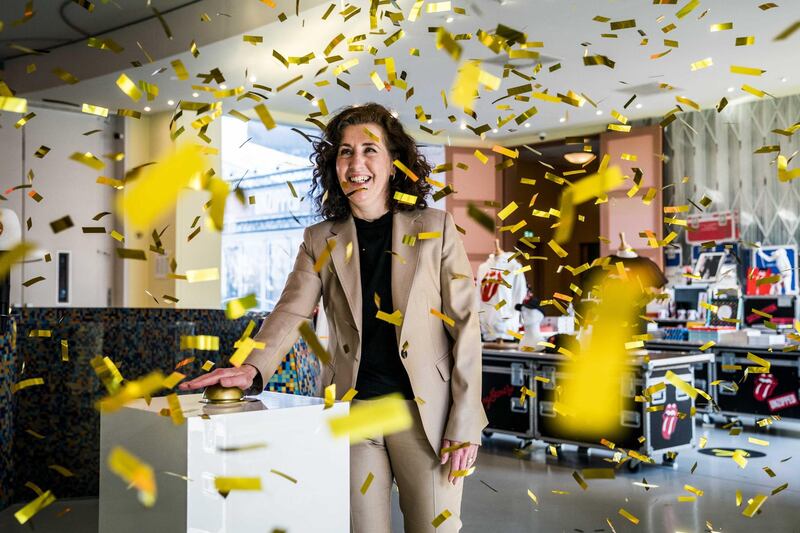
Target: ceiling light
[
  {"x": 449, "y": 20},
  {"x": 599, "y": 112},
  {"x": 429, "y": 121},
  {"x": 195, "y": 94},
  {"x": 253, "y": 79},
  {"x": 395, "y": 114},
  {"x": 314, "y": 102},
  {"x": 463, "y": 125},
  {"x": 494, "y": 130},
  {"x": 170, "y": 102},
  {"x": 638, "y": 106},
  {"x": 527, "y": 125},
  {"x": 147, "y": 108},
  {"x": 784, "y": 80},
  {"x": 579, "y": 158},
  {"x": 223, "y": 86},
  {"x": 562, "y": 120},
  {"x": 731, "y": 89}
]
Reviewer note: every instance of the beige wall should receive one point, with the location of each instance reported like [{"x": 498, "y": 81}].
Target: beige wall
[{"x": 148, "y": 140}]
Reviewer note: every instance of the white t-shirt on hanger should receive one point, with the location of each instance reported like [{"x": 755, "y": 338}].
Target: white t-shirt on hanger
[{"x": 495, "y": 322}]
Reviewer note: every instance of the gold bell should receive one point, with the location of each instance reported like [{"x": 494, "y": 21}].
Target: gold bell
[{"x": 219, "y": 394}]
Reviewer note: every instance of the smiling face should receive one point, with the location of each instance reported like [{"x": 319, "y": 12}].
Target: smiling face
[{"x": 363, "y": 167}]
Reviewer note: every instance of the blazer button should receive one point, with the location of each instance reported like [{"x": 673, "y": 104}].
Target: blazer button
[{"x": 404, "y": 354}]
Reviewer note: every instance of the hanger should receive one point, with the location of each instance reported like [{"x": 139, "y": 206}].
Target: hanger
[{"x": 497, "y": 249}]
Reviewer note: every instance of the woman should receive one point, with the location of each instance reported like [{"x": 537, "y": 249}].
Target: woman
[{"x": 376, "y": 265}]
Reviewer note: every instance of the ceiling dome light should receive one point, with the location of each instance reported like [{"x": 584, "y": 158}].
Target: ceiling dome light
[{"x": 580, "y": 158}]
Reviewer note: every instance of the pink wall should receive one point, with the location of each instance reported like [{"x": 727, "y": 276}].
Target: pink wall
[
  {"x": 479, "y": 184},
  {"x": 631, "y": 215}
]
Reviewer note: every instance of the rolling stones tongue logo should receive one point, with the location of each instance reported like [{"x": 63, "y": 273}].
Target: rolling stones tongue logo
[
  {"x": 489, "y": 284},
  {"x": 669, "y": 420},
  {"x": 765, "y": 386}
]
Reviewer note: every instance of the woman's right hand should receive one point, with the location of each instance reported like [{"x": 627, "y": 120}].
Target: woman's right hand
[{"x": 241, "y": 377}]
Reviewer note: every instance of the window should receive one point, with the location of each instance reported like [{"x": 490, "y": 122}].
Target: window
[{"x": 261, "y": 235}]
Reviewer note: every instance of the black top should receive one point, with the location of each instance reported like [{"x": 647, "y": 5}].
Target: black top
[{"x": 381, "y": 371}]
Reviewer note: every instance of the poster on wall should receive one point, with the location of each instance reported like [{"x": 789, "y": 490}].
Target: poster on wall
[{"x": 771, "y": 261}]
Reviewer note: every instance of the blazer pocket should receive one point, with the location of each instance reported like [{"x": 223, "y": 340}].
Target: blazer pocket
[{"x": 445, "y": 366}]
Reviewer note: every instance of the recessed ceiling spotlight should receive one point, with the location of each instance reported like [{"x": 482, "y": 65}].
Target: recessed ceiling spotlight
[
  {"x": 395, "y": 114},
  {"x": 449, "y": 20},
  {"x": 494, "y": 130},
  {"x": 314, "y": 102},
  {"x": 784, "y": 80},
  {"x": 463, "y": 125},
  {"x": 599, "y": 112},
  {"x": 731, "y": 89},
  {"x": 562, "y": 120},
  {"x": 429, "y": 121},
  {"x": 527, "y": 125},
  {"x": 170, "y": 102},
  {"x": 638, "y": 106},
  {"x": 195, "y": 95},
  {"x": 253, "y": 79},
  {"x": 147, "y": 109},
  {"x": 223, "y": 86}
]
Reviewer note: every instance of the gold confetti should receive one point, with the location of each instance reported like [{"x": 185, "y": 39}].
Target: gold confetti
[
  {"x": 754, "y": 505},
  {"x": 175, "y": 411},
  {"x": 688, "y": 8},
  {"x": 225, "y": 485},
  {"x": 407, "y": 171},
  {"x": 13, "y": 104},
  {"x": 349, "y": 395},
  {"x": 88, "y": 159},
  {"x": 446, "y": 319},
  {"x": 788, "y": 32},
  {"x": 308, "y": 334},
  {"x": 383, "y": 416},
  {"x": 25, "y": 383},
  {"x": 367, "y": 483},
  {"x": 444, "y": 515},
  {"x": 127, "y": 86},
  {"x": 330, "y": 395},
  {"x": 203, "y": 274},
  {"x": 31, "y": 508},
  {"x": 745, "y": 41},
  {"x": 703, "y": 63},
  {"x": 747, "y": 71},
  {"x": 721, "y": 26},
  {"x": 134, "y": 472},
  {"x": 238, "y": 307},
  {"x": 629, "y": 516},
  {"x": 396, "y": 318},
  {"x": 199, "y": 342}
]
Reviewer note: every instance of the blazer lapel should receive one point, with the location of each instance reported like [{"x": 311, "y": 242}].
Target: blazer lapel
[
  {"x": 404, "y": 260},
  {"x": 348, "y": 271}
]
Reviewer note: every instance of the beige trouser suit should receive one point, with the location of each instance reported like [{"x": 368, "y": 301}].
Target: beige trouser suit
[{"x": 442, "y": 357}]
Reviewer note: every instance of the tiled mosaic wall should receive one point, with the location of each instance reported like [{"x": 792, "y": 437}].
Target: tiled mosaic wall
[
  {"x": 57, "y": 424},
  {"x": 7, "y": 373}
]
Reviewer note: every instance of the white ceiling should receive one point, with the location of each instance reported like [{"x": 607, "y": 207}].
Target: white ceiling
[{"x": 563, "y": 25}]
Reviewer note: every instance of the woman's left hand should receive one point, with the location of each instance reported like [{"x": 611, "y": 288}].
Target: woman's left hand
[{"x": 460, "y": 459}]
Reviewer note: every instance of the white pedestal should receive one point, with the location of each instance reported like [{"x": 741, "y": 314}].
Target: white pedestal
[{"x": 297, "y": 442}]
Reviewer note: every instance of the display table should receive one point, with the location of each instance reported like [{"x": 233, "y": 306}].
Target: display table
[
  {"x": 506, "y": 371},
  {"x": 274, "y": 436}
]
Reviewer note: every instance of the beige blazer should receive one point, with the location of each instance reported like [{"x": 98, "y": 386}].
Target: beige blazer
[{"x": 443, "y": 361}]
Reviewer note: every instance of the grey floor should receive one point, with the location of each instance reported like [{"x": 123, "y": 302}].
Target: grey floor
[{"x": 496, "y": 499}]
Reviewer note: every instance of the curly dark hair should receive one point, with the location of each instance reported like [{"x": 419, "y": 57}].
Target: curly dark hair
[{"x": 330, "y": 200}]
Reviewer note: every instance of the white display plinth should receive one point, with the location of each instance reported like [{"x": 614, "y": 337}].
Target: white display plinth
[{"x": 297, "y": 442}]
